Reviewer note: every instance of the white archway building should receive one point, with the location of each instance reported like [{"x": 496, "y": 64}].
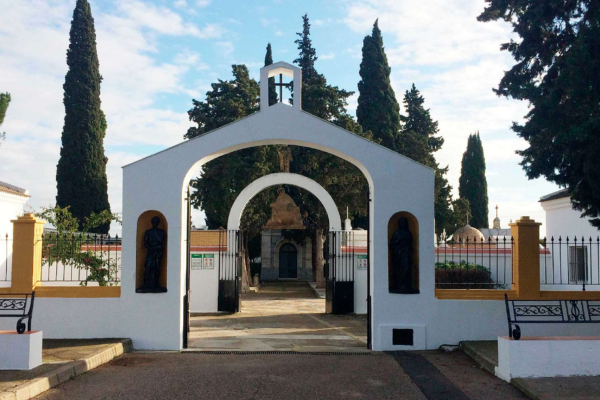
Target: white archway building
[
  {"x": 159, "y": 182},
  {"x": 235, "y": 215}
]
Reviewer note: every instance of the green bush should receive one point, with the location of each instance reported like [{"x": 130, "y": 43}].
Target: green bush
[{"x": 463, "y": 275}]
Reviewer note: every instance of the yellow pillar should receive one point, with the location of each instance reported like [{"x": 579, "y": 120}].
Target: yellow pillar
[
  {"x": 27, "y": 253},
  {"x": 526, "y": 258}
]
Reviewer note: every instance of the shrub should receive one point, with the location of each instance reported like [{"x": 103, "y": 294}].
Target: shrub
[{"x": 463, "y": 275}]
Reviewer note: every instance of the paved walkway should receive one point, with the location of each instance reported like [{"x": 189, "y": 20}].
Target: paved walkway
[
  {"x": 160, "y": 375},
  {"x": 61, "y": 357},
  {"x": 282, "y": 316}
]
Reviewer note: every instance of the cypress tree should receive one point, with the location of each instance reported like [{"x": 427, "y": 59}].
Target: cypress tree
[
  {"x": 473, "y": 184},
  {"x": 378, "y": 109},
  {"x": 272, "y": 90},
  {"x": 4, "y": 102},
  {"x": 81, "y": 172},
  {"x": 419, "y": 140}
]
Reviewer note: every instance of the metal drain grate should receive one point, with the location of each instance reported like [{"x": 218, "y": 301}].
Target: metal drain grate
[{"x": 312, "y": 353}]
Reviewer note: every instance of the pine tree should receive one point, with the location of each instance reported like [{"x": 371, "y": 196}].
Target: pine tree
[
  {"x": 81, "y": 172},
  {"x": 273, "y": 98},
  {"x": 473, "y": 184},
  {"x": 378, "y": 109},
  {"x": 418, "y": 141},
  {"x": 4, "y": 102},
  {"x": 557, "y": 59}
]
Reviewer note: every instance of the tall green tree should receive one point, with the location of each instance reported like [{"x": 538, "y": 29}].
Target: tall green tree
[
  {"x": 419, "y": 141},
  {"x": 472, "y": 184},
  {"x": 556, "y": 71},
  {"x": 81, "y": 172},
  {"x": 378, "y": 110},
  {"x": 319, "y": 98},
  {"x": 4, "y": 102},
  {"x": 273, "y": 98}
]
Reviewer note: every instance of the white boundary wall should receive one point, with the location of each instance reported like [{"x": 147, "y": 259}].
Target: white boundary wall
[
  {"x": 159, "y": 182},
  {"x": 535, "y": 357}
]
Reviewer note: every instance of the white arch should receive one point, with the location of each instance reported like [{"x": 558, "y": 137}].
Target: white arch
[{"x": 282, "y": 178}]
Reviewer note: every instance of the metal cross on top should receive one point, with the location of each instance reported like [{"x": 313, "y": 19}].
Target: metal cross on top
[{"x": 281, "y": 85}]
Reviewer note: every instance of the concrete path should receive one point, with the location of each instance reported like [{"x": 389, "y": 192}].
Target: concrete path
[
  {"x": 62, "y": 359},
  {"x": 284, "y": 376},
  {"x": 282, "y": 316}
]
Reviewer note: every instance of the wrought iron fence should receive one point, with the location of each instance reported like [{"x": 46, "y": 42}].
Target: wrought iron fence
[
  {"x": 474, "y": 263},
  {"x": 570, "y": 264},
  {"x": 85, "y": 259},
  {"x": 5, "y": 260}
]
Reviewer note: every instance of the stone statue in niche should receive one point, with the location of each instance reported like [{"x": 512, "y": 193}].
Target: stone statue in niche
[
  {"x": 154, "y": 242},
  {"x": 401, "y": 251}
]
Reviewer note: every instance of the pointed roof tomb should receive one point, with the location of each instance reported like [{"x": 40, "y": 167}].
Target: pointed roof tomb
[{"x": 280, "y": 69}]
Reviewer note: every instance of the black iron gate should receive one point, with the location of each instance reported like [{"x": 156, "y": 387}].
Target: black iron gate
[
  {"x": 230, "y": 270},
  {"x": 186, "y": 296},
  {"x": 339, "y": 293}
]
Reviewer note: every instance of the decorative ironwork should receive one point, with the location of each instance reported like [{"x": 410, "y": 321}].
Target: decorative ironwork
[
  {"x": 553, "y": 311},
  {"x": 575, "y": 314},
  {"x": 538, "y": 310},
  {"x": 16, "y": 307},
  {"x": 13, "y": 304},
  {"x": 594, "y": 311}
]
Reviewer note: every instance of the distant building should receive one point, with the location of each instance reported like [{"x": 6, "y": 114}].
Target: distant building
[
  {"x": 12, "y": 201},
  {"x": 562, "y": 220},
  {"x": 496, "y": 232},
  {"x": 572, "y": 243}
]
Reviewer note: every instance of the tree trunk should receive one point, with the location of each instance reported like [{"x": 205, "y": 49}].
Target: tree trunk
[
  {"x": 246, "y": 274},
  {"x": 319, "y": 261}
]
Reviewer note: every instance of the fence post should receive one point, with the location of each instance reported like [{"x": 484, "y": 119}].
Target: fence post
[
  {"x": 526, "y": 258},
  {"x": 27, "y": 253}
]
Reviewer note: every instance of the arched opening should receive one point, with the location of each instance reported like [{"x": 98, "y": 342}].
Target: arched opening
[
  {"x": 144, "y": 224},
  {"x": 403, "y": 253},
  {"x": 286, "y": 262}
]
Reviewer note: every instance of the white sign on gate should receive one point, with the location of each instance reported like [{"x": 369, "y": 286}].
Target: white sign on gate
[{"x": 196, "y": 262}]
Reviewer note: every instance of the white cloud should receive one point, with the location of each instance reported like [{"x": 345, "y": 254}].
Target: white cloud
[
  {"x": 164, "y": 20},
  {"x": 32, "y": 46},
  {"x": 181, "y": 4},
  {"x": 225, "y": 48},
  {"x": 327, "y": 56},
  {"x": 202, "y": 3}
]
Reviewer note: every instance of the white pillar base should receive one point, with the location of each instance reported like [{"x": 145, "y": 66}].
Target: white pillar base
[
  {"x": 532, "y": 357},
  {"x": 20, "y": 351}
]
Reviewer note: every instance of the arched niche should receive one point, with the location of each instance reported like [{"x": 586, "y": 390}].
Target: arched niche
[
  {"x": 413, "y": 227},
  {"x": 143, "y": 224}
]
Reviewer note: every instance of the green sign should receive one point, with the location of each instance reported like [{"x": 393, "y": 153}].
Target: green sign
[
  {"x": 363, "y": 262},
  {"x": 196, "y": 261},
  {"x": 208, "y": 261},
  {"x": 202, "y": 261}
]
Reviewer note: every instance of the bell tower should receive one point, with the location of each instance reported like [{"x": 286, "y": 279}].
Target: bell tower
[{"x": 278, "y": 71}]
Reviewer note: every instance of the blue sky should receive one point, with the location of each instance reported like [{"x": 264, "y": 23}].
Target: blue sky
[{"x": 155, "y": 56}]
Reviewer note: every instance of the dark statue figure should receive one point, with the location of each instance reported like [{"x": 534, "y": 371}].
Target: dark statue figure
[
  {"x": 401, "y": 251},
  {"x": 154, "y": 242}
]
